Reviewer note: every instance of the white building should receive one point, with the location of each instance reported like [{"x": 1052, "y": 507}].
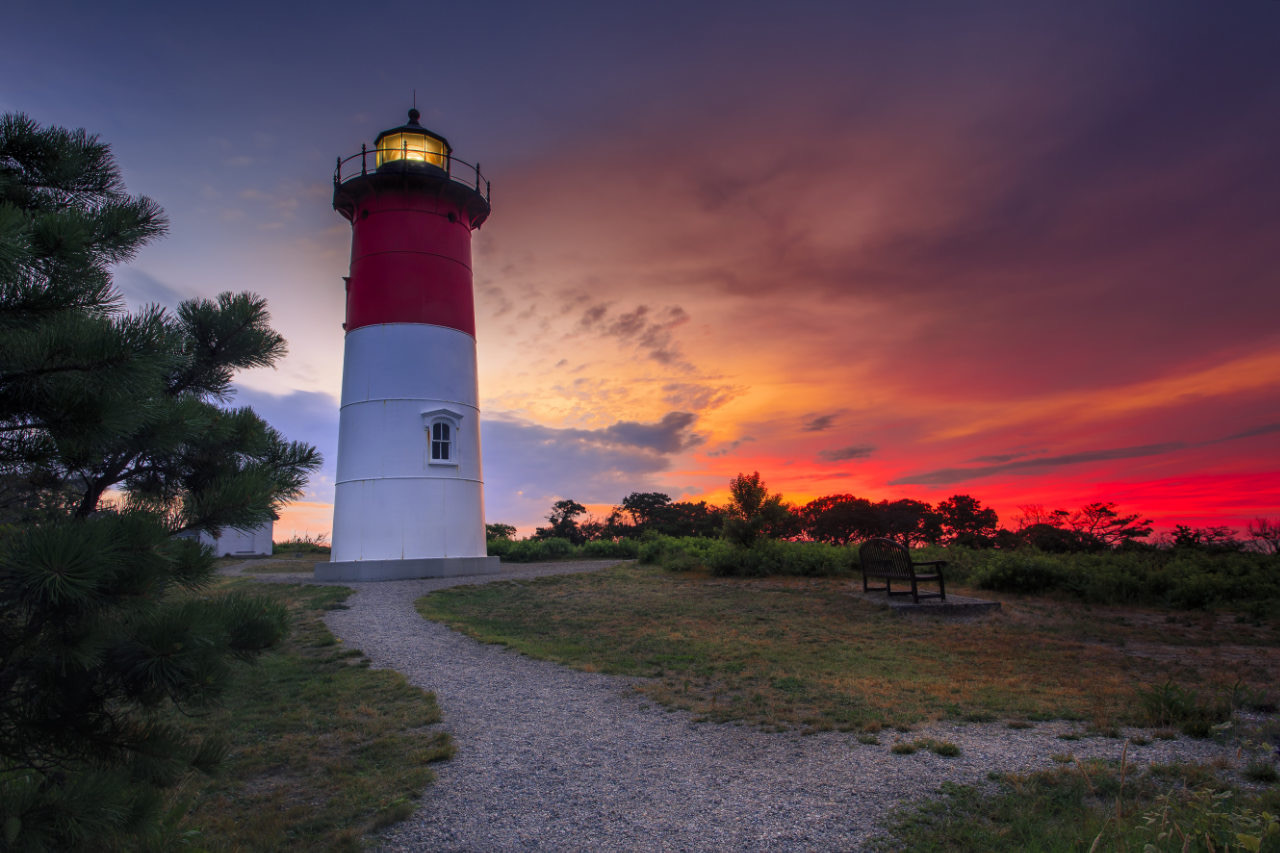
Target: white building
[{"x": 241, "y": 543}]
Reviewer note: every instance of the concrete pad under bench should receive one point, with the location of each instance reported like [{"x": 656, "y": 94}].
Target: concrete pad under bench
[{"x": 956, "y": 606}]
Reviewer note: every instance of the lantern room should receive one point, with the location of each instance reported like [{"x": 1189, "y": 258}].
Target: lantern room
[{"x": 412, "y": 145}]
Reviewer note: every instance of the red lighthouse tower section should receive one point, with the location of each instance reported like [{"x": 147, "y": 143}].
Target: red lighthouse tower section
[{"x": 409, "y": 491}]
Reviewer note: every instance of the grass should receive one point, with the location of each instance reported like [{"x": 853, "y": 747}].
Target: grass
[
  {"x": 323, "y": 750},
  {"x": 304, "y": 544},
  {"x": 803, "y": 653},
  {"x": 279, "y": 564},
  {"x": 1093, "y": 806}
]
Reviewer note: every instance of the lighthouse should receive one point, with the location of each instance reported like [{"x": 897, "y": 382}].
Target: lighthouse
[{"x": 409, "y": 494}]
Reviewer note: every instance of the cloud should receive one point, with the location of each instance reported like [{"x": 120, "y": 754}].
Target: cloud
[
  {"x": 726, "y": 449},
  {"x": 309, "y": 416},
  {"x": 593, "y": 314},
  {"x": 527, "y": 464},
  {"x": 688, "y": 395},
  {"x": 944, "y": 476},
  {"x": 668, "y": 435},
  {"x": 653, "y": 335},
  {"x": 1006, "y": 457},
  {"x": 819, "y": 423},
  {"x": 1264, "y": 429},
  {"x": 649, "y": 330},
  {"x": 854, "y": 451},
  {"x": 628, "y": 325},
  {"x": 140, "y": 289},
  {"x": 1041, "y": 464}
]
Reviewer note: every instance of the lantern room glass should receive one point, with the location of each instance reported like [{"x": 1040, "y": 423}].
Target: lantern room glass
[{"x": 412, "y": 147}]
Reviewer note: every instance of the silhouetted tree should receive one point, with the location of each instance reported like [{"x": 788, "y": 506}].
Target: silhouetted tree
[
  {"x": 1217, "y": 539},
  {"x": 692, "y": 518},
  {"x": 752, "y": 512},
  {"x": 964, "y": 521},
  {"x": 564, "y": 525},
  {"x": 839, "y": 519},
  {"x": 497, "y": 530},
  {"x": 910, "y": 522},
  {"x": 1030, "y": 515},
  {"x": 1051, "y": 538},
  {"x": 1098, "y": 524},
  {"x": 1265, "y": 533},
  {"x": 646, "y": 509},
  {"x": 593, "y": 528}
]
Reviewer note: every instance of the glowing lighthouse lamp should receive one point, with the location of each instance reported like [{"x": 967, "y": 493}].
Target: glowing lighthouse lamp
[{"x": 409, "y": 499}]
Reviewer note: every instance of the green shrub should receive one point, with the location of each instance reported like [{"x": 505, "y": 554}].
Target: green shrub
[
  {"x": 539, "y": 550},
  {"x": 768, "y": 557},
  {"x": 681, "y": 554},
  {"x": 1180, "y": 578},
  {"x": 1019, "y": 571},
  {"x": 944, "y": 748},
  {"x": 304, "y": 544},
  {"x": 532, "y": 550},
  {"x": 499, "y": 547},
  {"x": 604, "y": 549},
  {"x": 1170, "y": 704},
  {"x": 1263, "y": 771}
]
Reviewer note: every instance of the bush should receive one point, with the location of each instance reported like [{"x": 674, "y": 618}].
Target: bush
[
  {"x": 768, "y": 557},
  {"x": 1170, "y": 704},
  {"x": 540, "y": 550},
  {"x": 604, "y": 549},
  {"x": 304, "y": 544},
  {"x": 680, "y": 554},
  {"x": 1181, "y": 578},
  {"x": 1019, "y": 571},
  {"x": 499, "y": 547}
]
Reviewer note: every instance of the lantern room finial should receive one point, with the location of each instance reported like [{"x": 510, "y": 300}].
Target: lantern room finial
[{"x": 414, "y": 115}]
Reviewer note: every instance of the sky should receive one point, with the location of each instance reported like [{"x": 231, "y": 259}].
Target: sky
[{"x": 1025, "y": 251}]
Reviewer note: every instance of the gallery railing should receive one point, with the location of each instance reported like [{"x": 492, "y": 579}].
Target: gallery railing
[{"x": 458, "y": 171}]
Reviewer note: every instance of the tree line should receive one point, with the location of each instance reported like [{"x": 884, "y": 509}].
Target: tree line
[{"x": 753, "y": 513}]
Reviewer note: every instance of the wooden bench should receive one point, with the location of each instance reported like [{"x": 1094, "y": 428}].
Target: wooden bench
[{"x": 886, "y": 560}]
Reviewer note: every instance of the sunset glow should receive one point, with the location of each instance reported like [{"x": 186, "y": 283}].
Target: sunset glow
[{"x": 1022, "y": 251}]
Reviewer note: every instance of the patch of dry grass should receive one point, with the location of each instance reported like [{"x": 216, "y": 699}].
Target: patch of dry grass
[
  {"x": 803, "y": 652},
  {"x": 278, "y": 564},
  {"x": 323, "y": 749}
]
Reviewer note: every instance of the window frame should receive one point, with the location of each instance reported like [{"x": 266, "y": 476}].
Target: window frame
[{"x": 451, "y": 419}]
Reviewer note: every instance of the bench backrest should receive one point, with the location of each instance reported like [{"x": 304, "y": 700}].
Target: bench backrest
[{"x": 885, "y": 558}]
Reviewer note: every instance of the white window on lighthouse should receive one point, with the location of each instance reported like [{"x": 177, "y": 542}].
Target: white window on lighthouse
[
  {"x": 442, "y": 428},
  {"x": 441, "y": 441}
]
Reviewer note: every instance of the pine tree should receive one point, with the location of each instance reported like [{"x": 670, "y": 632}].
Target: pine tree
[{"x": 115, "y": 449}]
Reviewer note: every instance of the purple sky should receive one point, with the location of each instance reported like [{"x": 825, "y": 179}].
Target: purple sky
[{"x": 1022, "y": 250}]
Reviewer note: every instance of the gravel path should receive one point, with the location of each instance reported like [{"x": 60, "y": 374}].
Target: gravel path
[{"x": 550, "y": 758}]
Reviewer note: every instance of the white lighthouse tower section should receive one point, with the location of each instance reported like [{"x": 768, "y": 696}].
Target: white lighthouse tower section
[{"x": 409, "y": 491}]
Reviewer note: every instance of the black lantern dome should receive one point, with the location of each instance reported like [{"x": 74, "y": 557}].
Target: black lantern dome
[{"x": 412, "y": 145}]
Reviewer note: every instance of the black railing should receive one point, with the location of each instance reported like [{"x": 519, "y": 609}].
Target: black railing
[{"x": 366, "y": 162}]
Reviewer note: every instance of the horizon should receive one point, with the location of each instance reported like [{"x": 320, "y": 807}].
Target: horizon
[{"x": 1019, "y": 251}]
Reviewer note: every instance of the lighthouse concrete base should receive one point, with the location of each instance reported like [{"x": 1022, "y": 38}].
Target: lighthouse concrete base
[{"x": 398, "y": 570}]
